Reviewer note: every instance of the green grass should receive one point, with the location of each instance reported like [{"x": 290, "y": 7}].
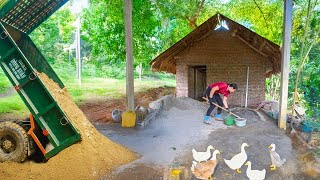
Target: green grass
[
  {"x": 91, "y": 88},
  {"x": 94, "y": 88},
  {"x": 4, "y": 82},
  {"x": 13, "y": 105}
]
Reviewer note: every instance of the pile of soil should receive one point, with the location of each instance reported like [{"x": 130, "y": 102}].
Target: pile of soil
[
  {"x": 90, "y": 158},
  {"x": 101, "y": 110}
]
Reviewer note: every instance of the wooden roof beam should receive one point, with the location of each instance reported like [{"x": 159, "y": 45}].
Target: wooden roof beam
[
  {"x": 184, "y": 42},
  {"x": 263, "y": 54},
  {"x": 254, "y": 41},
  {"x": 262, "y": 45},
  {"x": 271, "y": 46},
  {"x": 208, "y": 26}
]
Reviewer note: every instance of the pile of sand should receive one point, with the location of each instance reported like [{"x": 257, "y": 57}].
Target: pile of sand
[{"x": 90, "y": 158}]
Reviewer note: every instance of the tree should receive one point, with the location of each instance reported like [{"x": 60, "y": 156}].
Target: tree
[
  {"x": 307, "y": 40},
  {"x": 103, "y": 26},
  {"x": 54, "y": 35},
  {"x": 189, "y": 12},
  {"x": 265, "y": 17}
]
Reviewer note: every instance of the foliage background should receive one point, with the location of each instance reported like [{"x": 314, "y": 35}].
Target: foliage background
[{"x": 158, "y": 24}]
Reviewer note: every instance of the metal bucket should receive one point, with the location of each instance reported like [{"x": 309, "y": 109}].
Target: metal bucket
[
  {"x": 116, "y": 116},
  {"x": 240, "y": 122}
]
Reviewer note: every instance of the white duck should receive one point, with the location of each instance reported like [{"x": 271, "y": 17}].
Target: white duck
[
  {"x": 255, "y": 174},
  {"x": 202, "y": 156},
  {"x": 205, "y": 170},
  {"x": 238, "y": 160},
  {"x": 275, "y": 158},
  {"x": 194, "y": 163}
]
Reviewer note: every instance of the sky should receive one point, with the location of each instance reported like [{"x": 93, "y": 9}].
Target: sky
[{"x": 78, "y": 5}]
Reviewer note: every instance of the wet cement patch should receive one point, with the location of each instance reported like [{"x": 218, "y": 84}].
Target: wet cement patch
[
  {"x": 172, "y": 136},
  {"x": 166, "y": 137},
  {"x": 259, "y": 136},
  {"x": 137, "y": 172}
]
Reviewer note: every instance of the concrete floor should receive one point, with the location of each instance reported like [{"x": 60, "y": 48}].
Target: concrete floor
[{"x": 170, "y": 138}]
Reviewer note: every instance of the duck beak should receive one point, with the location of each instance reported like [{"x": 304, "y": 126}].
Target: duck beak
[
  {"x": 246, "y": 163},
  {"x": 270, "y": 146}
]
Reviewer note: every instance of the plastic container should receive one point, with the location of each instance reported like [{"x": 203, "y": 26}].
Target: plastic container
[
  {"x": 306, "y": 128},
  {"x": 240, "y": 122},
  {"x": 128, "y": 119},
  {"x": 275, "y": 115},
  {"x": 228, "y": 120},
  {"x": 116, "y": 115}
]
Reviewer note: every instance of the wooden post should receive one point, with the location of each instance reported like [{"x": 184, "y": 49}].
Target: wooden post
[
  {"x": 195, "y": 83},
  {"x": 78, "y": 52},
  {"x": 247, "y": 89},
  {"x": 140, "y": 71},
  {"x": 129, "y": 54},
  {"x": 285, "y": 63}
]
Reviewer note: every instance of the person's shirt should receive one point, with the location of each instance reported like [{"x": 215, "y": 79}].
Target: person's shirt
[{"x": 223, "y": 88}]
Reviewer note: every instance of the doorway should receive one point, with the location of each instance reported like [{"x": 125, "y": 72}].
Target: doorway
[{"x": 197, "y": 81}]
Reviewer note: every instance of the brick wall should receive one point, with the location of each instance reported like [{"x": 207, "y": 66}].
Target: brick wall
[
  {"x": 227, "y": 59},
  {"x": 191, "y": 82},
  {"x": 182, "y": 80}
]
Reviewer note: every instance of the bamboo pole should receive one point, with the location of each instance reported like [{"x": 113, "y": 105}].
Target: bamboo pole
[
  {"x": 220, "y": 107},
  {"x": 295, "y": 93}
]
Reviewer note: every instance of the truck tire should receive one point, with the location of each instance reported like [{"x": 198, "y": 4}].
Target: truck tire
[{"x": 13, "y": 142}]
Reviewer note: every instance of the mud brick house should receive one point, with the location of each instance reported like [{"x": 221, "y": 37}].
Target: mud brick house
[{"x": 221, "y": 50}]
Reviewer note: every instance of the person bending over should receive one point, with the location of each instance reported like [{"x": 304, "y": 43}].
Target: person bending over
[{"x": 213, "y": 94}]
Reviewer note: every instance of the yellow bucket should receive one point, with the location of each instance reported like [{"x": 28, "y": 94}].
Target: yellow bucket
[{"x": 128, "y": 119}]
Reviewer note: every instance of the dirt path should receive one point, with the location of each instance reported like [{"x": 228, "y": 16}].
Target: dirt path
[{"x": 9, "y": 92}]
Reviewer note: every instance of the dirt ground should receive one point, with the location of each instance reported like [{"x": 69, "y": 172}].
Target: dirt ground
[
  {"x": 100, "y": 110},
  {"x": 170, "y": 138}
]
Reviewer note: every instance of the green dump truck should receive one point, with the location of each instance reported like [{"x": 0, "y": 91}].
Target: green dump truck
[{"x": 22, "y": 62}]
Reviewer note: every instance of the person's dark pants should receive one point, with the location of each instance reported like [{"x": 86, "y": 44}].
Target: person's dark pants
[{"x": 212, "y": 106}]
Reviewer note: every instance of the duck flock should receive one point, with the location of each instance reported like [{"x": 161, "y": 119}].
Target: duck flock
[{"x": 204, "y": 163}]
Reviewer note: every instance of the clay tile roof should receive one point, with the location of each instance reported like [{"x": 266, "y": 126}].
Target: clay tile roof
[{"x": 166, "y": 61}]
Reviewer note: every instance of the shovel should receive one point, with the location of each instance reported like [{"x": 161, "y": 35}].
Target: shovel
[{"x": 220, "y": 107}]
